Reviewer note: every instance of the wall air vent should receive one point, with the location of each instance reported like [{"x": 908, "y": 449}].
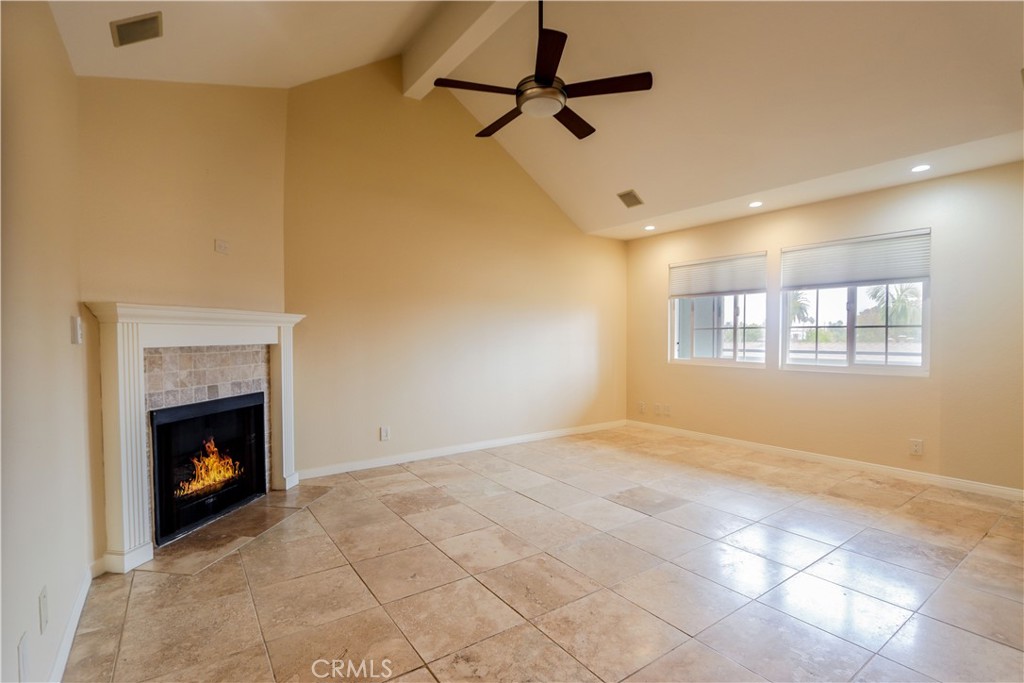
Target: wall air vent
[
  {"x": 630, "y": 198},
  {"x": 137, "y": 29}
]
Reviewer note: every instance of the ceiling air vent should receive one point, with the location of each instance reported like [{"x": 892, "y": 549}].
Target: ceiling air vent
[
  {"x": 137, "y": 29},
  {"x": 630, "y": 198}
]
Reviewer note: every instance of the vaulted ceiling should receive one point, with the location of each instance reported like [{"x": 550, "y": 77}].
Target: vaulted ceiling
[{"x": 780, "y": 102}]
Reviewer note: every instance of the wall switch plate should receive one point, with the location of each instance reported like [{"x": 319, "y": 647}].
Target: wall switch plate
[
  {"x": 385, "y": 433},
  {"x": 917, "y": 446},
  {"x": 222, "y": 246},
  {"x": 77, "y": 332}
]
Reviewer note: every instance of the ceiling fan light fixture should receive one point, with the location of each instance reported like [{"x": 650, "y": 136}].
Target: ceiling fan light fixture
[{"x": 540, "y": 101}]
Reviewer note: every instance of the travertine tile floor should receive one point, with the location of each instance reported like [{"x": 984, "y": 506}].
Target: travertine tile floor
[{"x": 626, "y": 554}]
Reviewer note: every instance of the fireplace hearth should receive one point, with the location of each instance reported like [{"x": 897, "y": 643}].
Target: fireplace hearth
[{"x": 208, "y": 459}]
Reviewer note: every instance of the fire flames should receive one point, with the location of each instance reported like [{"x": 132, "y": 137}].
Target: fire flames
[{"x": 212, "y": 470}]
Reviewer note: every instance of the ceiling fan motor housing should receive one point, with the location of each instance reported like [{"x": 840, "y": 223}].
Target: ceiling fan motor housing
[{"x": 539, "y": 100}]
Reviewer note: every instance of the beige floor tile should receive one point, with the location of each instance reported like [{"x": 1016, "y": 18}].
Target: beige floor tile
[
  {"x": 887, "y": 483},
  {"x": 704, "y": 520},
  {"x": 738, "y": 570},
  {"x": 477, "y": 487},
  {"x": 337, "y": 514},
  {"x": 400, "y": 482},
  {"x": 609, "y": 635},
  {"x": 375, "y": 472},
  {"x": 447, "y": 521},
  {"x": 537, "y": 584},
  {"x": 647, "y": 500},
  {"x": 947, "y": 653},
  {"x": 602, "y": 514},
  {"x": 882, "y": 498},
  {"x": 665, "y": 540},
  {"x": 605, "y": 559},
  {"x": 420, "y": 675},
  {"x": 920, "y": 556},
  {"x": 1009, "y": 527},
  {"x": 251, "y": 665},
  {"x": 160, "y": 640},
  {"x": 744, "y": 504},
  {"x": 694, "y": 661},
  {"x": 689, "y": 602},
  {"x": 310, "y": 600},
  {"x": 106, "y": 602},
  {"x": 502, "y": 507},
  {"x": 374, "y": 540},
  {"x": 341, "y": 480},
  {"x": 858, "y": 618},
  {"x": 600, "y": 483},
  {"x": 986, "y": 614},
  {"x": 520, "y": 479},
  {"x": 843, "y": 508},
  {"x": 991, "y": 576},
  {"x": 782, "y": 648},
  {"x": 1000, "y": 549},
  {"x": 978, "y": 501},
  {"x": 549, "y": 529},
  {"x": 819, "y": 527},
  {"x": 406, "y": 572},
  {"x": 894, "y": 584},
  {"x": 250, "y": 520},
  {"x": 493, "y": 546},
  {"x": 417, "y": 500},
  {"x": 778, "y": 545},
  {"x": 558, "y": 495},
  {"x": 296, "y": 497},
  {"x": 442, "y": 620},
  {"x": 92, "y": 655},
  {"x": 293, "y": 548},
  {"x": 954, "y": 514},
  {"x": 882, "y": 670},
  {"x": 427, "y": 465},
  {"x": 152, "y": 591},
  {"x": 193, "y": 553},
  {"x": 521, "y": 653},
  {"x": 445, "y": 474},
  {"x": 939, "y": 532},
  {"x": 367, "y": 638}
]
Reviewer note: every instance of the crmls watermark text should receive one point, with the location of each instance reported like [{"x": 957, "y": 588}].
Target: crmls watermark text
[{"x": 347, "y": 668}]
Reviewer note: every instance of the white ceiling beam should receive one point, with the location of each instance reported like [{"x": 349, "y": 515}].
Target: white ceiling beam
[{"x": 452, "y": 35}]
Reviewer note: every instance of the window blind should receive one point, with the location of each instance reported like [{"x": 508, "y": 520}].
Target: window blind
[
  {"x": 880, "y": 258},
  {"x": 730, "y": 275}
]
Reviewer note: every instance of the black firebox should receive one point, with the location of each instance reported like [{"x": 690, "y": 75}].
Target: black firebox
[{"x": 208, "y": 458}]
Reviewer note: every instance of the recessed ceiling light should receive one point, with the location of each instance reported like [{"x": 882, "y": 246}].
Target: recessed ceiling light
[
  {"x": 649, "y": 228},
  {"x": 919, "y": 168},
  {"x": 755, "y": 205}
]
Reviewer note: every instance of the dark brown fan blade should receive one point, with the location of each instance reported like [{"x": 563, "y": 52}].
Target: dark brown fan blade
[
  {"x": 466, "y": 85},
  {"x": 608, "y": 86},
  {"x": 499, "y": 124},
  {"x": 549, "y": 53},
  {"x": 574, "y": 122}
]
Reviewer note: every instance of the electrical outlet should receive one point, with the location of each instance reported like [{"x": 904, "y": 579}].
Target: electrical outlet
[
  {"x": 657, "y": 409},
  {"x": 385, "y": 433},
  {"x": 44, "y": 610},
  {"x": 643, "y": 408},
  {"x": 917, "y": 446},
  {"x": 222, "y": 246}
]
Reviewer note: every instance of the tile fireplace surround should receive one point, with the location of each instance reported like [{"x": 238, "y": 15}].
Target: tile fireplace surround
[{"x": 126, "y": 330}]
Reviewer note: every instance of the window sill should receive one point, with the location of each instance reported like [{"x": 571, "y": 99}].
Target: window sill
[{"x": 881, "y": 370}]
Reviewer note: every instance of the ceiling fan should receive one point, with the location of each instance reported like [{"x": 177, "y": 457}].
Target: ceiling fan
[{"x": 544, "y": 94}]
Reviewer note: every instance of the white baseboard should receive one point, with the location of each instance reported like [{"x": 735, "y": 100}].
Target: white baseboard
[
  {"x": 356, "y": 465},
  {"x": 64, "y": 651},
  {"x": 923, "y": 477}
]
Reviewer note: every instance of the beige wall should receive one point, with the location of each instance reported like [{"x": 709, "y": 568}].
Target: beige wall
[
  {"x": 166, "y": 169},
  {"x": 46, "y": 527},
  {"x": 446, "y": 295},
  {"x": 968, "y": 411}
]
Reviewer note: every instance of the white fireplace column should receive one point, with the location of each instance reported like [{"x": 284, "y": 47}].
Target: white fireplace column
[{"x": 127, "y": 329}]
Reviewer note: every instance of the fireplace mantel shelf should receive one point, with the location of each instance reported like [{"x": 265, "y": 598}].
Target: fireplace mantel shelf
[{"x": 126, "y": 330}]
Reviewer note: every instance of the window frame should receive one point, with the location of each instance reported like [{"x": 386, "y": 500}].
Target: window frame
[
  {"x": 851, "y": 366},
  {"x": 738, "y": 331}
]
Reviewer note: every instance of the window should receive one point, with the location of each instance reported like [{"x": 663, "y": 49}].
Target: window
[
  {"x": 718, "y": 309},
  {"x": 858, "y": 304}
]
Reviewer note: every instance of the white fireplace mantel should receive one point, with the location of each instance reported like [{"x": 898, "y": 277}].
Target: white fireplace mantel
[{"x": 125, "y": 331}]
